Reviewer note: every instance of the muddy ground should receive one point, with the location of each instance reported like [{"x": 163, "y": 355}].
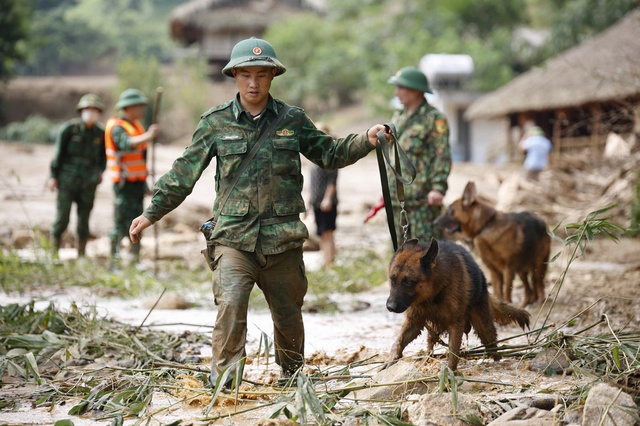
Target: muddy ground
[{"x": 604, "y": 283}]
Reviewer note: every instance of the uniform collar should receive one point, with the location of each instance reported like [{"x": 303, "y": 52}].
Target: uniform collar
[
  {"x": 238, "y": 110},
  {"x": 423, "y": 105}
]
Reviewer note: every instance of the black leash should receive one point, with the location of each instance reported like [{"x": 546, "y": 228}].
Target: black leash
[{"x": 382, "y": 150}]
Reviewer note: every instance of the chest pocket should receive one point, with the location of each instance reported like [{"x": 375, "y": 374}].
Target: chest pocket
[
  {"x": 286, "y": 156},
  {"x": 76, "y": 146},
  {"x": 230, "y": 154}
]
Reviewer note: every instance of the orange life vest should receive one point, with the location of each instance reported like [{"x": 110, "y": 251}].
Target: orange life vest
[{"x": 130, "y": 165}]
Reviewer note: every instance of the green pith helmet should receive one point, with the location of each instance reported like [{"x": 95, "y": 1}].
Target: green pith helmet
[
  {"x": 90, "y": 101},
  {"x": 253, "y": 52},
  {"x": 131, "y": 97},
  {"x": 412, "y": 78}
]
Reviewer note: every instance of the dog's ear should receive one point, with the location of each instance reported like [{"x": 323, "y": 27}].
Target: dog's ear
[
  {"x": 410, "y": 243},
  {"x": 429, "y": 257},
  {"x": 469, "y": 195}
]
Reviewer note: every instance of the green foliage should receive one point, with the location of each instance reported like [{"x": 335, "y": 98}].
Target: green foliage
[
  {"x": 331, "y": 79},
  {"x": 144, "y": 74},
  {"x": 14, "y": 29},
  {"x": 481, "y": 17},
  {"x": 358, "y": 45},
  {"x": 577, "y": 20},
  {"x": 60, "y": 44},
  {"x": 192, "y": 89},
  {"x": 350, "y": 274},
  {"x": 70, "y": 35},
  {"x": 30, "y": 338},
  {"x": 18, "y": 274},
  {"x": 34, "y": 129}
]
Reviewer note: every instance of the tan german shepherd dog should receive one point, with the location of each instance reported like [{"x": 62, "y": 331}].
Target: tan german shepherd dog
[
  {"x": 443, "y": 289},
  {"x": 508, "y": 243}
]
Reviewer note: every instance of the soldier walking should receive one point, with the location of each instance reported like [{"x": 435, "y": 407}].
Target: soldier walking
[
  {"x": 256, "y": 236},
  {"x": 126, "y": 148},
  {"x": 76, "y": 169}
]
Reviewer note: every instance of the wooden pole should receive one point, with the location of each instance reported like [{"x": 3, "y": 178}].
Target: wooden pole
[{"x": 156, "y": 111}]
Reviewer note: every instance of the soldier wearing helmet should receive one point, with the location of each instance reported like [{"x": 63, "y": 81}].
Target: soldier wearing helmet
[
  {"x": 126, "y": 148},
  {"x": 257, "y": 234},
  {"x": 423, "y": 133},
  {"x": 76, "y": 169}
]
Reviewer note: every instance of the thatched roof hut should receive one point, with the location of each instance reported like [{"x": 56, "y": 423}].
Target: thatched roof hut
[
  {"x": 578, "y": 92},
  {"x": 217, "y": 25}
]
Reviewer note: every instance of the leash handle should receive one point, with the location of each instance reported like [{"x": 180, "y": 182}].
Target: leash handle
[
  {"x": 399, "y": 154},
  {"x": 400, "y": 157}
]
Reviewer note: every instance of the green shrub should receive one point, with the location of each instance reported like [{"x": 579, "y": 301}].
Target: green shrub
[{"x": 35, "y": 129}]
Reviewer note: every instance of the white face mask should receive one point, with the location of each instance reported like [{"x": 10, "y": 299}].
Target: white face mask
[{"x": 89, "y": 116}]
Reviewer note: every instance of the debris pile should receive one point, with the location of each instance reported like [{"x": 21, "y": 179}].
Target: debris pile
[{"x": 574, "y": 186}]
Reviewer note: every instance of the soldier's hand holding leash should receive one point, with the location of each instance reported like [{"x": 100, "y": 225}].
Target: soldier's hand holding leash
[{"x": 372, "y": 133}]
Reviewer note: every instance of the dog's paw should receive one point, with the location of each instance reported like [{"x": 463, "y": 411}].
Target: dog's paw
[{"x": 388, "y": 364}]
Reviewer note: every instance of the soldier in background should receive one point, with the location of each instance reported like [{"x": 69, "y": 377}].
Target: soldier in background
[
  {"x": 126, "y": 147},
  {"x": 423, "y": 133},
  {"x": 76, "y": 169}
]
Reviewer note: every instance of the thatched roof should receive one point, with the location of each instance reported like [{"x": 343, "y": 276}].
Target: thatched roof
[
  {"x": 191, "y": 20},
  {"x": 603, "y": 68}
]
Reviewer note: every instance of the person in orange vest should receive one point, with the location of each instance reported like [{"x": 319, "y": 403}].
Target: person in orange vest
[{"x": 126, "y": 148}]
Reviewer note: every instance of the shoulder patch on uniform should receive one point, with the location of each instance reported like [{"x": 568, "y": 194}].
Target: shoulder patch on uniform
[
  {"x": 441, "y": 126},
  {"x": 285, "y": 132},
  {"x": 216, "y": 108}
]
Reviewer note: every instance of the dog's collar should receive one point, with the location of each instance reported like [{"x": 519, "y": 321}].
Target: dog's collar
[{"x": 491, "y": 219}]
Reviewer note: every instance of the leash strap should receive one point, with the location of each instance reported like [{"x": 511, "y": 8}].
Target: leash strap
[{"x": 383, "y": 148}]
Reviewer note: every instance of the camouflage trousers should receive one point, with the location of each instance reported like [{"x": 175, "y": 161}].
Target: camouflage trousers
[
  {"x": 283, "y": 281},
  {"x": 420, "y": 220},
  {"x": 128, "y": 205},
  {"x": 69, "y": 193}
]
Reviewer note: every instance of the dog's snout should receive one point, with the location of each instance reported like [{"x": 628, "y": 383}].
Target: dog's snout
[{"x": 394, "y": 306}]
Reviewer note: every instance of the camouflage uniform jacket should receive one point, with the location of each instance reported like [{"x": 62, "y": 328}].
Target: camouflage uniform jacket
[
  {"x": 424, "y": 136},
  {"x": 79, "y": 152},
  {"x": 262, "y": 212}
]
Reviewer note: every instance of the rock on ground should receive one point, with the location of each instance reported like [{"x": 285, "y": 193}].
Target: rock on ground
[{"x": 609, "y": 406}]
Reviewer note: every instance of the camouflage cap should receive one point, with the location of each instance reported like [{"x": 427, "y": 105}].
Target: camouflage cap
[{"x": 253, "y": 52}]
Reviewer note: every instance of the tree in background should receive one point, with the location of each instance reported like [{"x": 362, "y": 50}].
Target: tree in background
[
  {"x": 14, "y": 29},
  {"x": 61, "y": 45},
  {"x": 370, "y": 39},
  {"x": 78, "y": 36}
]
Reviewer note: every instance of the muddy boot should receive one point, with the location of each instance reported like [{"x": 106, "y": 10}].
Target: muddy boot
[
  {"x": 115, "y": 255},
  {"x": 135, "y": 254},
  {"x": 57, "y": 242},
  {"x": 82, "y": 247}
]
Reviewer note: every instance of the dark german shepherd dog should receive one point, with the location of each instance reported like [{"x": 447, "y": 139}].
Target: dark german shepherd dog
[
  {"x": 442, "y": 288},
  {"x": 508, "y": 243}
]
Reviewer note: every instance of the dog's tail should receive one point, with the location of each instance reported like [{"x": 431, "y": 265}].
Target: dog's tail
[{"x": 504, "y": 313}]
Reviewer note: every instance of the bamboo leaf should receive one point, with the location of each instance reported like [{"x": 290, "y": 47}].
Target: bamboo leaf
[
  {"x": 79, "y": 409},
  {"x": 32, "y": 365}
]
